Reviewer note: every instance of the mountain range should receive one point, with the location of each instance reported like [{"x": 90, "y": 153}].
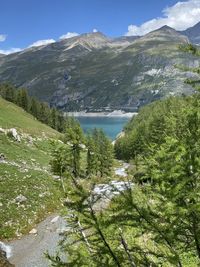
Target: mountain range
[{"x": 94, "y": 72}]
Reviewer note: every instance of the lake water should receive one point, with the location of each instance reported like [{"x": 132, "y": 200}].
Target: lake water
[{"x": 112, "y": 126}]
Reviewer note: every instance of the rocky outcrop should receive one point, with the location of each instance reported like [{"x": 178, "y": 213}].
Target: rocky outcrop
[{"x": 14, "y": 134}]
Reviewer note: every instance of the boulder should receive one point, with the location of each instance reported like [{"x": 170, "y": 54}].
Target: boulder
[
  {"x": 20, "y": 199},
  {"x": 2, "y": 157},
  {"x": 14, "y": 134}
]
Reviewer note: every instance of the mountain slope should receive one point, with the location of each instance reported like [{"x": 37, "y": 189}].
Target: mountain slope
[
  {"x": 27, "y": 192},
  {"x": 13, "y": 116},
  {"x": 193, "y": 33},
  {"x": 94, "y": 72}
]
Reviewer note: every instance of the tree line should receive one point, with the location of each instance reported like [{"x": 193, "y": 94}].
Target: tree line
[{"x": 40, "y": 110}]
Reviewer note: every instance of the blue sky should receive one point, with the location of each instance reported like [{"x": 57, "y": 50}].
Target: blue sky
[{"x": 23, "y": 22}]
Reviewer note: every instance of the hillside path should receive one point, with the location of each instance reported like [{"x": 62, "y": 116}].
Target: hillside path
[{"x": 29, "y": 250}]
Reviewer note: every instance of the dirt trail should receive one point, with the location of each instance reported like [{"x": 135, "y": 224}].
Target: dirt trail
[{"x": 29, "y": 250}]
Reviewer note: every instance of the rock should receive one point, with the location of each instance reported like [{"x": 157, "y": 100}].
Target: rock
[
  {"x": 2, "y": 130},
  {"x": 7, "y": 249},
  {"x": 14, "y": 134},
  {"x": 55, "y": 219},
  {"x": 2, "y": 157},
  {"x": 3, "y": 260},
  {"x": 82, "y": 146},
  {"x": 63, "y": 230},
  {"x": 30, "y": 140},
  {"x": 120, "y": 172},
  {"x": 1, "y": 204},
  {"x": 20, "y": 199},
  {"x": 33, "y": 231},
  {"x": 5, "y": 253},
  {"x": 111, "y": 189},
  {"x": 56, "y": 177}
]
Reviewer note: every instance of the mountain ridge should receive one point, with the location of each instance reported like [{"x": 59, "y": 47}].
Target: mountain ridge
[
  {"x": 94, "y": 72},
  {"x": 193, "y": 33}
]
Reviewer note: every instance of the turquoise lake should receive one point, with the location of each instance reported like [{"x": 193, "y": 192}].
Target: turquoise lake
[{"x": 112, "y": 126}]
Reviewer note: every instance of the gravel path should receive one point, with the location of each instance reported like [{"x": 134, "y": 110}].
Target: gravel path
[{"x": 29, "y": 250}]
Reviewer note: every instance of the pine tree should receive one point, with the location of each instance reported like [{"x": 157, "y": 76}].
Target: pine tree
[
  {"x": 74, "y": 137},
  {"x": 8, "y": 92},
  {"x": 53, "y": 118},
  {"x": 34, "y": 107},
  {"x": 22, "y": 99},
  {"x": 104, "y": 150},
  {"x": 44, "y": 113},
  {"x": 92, "y": 157},
  {"x": 60, "y": 162}
]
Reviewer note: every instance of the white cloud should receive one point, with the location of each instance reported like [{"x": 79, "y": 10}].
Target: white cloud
[
  {"x": 180, "y": 17},
  {"x": 3, "y": 37},
  {"x": 68, "y": 35},
  {"x": 94, "y": 30},
  {"x": 10, "y": 51},
  {"x": 42, "y": 42}
]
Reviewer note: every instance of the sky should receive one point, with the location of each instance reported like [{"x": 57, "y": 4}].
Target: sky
[{"x": 26, "y": 23}]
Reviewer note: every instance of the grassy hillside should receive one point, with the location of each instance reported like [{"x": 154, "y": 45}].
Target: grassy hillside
[
  {"x": 24, "y": 170},
  {"x": 12, "y": 116}
]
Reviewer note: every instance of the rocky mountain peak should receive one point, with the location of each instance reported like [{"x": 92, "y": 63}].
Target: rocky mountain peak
[
  {"x": 165, "y": 33},
  {"x": 91, "y": 71},
  {"x": 165, "y": 28},
  {"x": 193, "y": 29},
  {"x": 193, "y": 33},
  {"x": 88, "y": 40}
]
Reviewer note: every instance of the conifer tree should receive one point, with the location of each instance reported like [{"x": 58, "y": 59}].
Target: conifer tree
[
  {"x": 60, "y": 161},
  {"x": 44, "y": 112},
  {"x": 34, "y": 107},
  {"x": 53, "y": 118},
  {"x": 92, "y": 157},
  {"x": 22, "y": 99},
  {"x": 7, "y": 92},
  {"x": 104, "y": 151},
  {"x": 74, "y": 138}
]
